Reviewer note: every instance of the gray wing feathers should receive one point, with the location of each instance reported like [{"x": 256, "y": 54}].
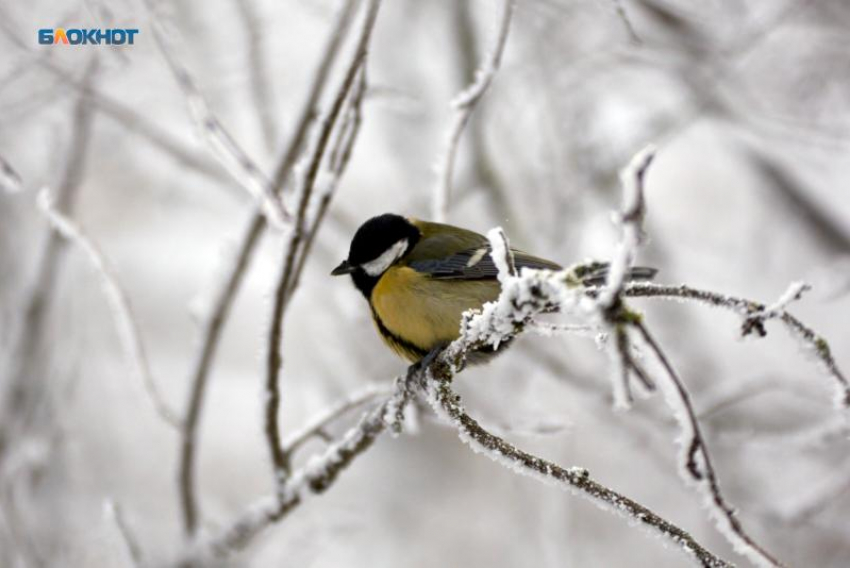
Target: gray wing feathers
[{"x": 474, "y": 264}]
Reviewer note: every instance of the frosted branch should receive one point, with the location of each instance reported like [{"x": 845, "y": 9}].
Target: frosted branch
[
  {"x": 119, "y": 303},
  {"x": 609, "y": 305},
  {"x": 814, "y": 342},
  {"x": 447, "y": 404},
  {"x": 223, "y": 146},
  {"x": 305, "y": 182},
  {"x": 620, "y": 10},
  {"x": 315, "y": 477},
  {"x": 501, "y": 253},
  {"x": 463, "y": 105},
  {"x": 630, "y": 219},
  {"x": 338, "y": 159},
  {"x": 697, "y": 466},
  {"x": 318, "y": 425},
  {"x": 226, "y": 292},
  {"x": 755, "y": 322}
]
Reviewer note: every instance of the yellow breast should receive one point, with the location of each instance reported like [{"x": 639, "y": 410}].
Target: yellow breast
[{"x": 419, "y": 314}]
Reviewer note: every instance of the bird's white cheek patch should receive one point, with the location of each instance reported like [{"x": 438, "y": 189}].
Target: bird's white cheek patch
[{"x": 379, "y": 265}]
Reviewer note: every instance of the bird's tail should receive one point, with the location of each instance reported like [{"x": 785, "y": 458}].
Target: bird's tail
[{"x": 596, "y": 273}]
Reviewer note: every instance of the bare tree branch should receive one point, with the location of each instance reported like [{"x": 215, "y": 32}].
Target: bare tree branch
[
  {"x": 464, "y": 104},
  {"x": 746, "y": 308},
  {"x": 340, "y": 155},
  {"x": 315, "y": 477},
  {"x": 20, "y": 391},
  {"x": 620, "y": 10},
  {"x": 223, "y": 146},
  {"x": 121, "y": 310},
  {"x": 317, "y": 426},
  {"x": 697, "y": 465},
  {"x": 447, "y": 404},
  {"x": 214, "y": 323},
  {"x": 304, "y": 190},
  {"x": 115, "y": 513},
  {"x": 260, "y": 88}
]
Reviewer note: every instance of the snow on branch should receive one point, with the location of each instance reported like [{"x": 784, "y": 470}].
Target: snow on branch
[
  {"x": 697, "y": 467},
  {"x": 316, "y": 428},
  {"x": 223, "y": 146},
  {"x": 755, "y": 322},
  {"x": 609, "y": 304},
  {"x": 524, "y": 297},
  {"x": 630, "y": 219},
  {"x": 447, "y": 404},
  {"x": 214, "y": 321},
  {"x": 501, "y": 253},
  {"x": 119, "y": 303},
  {"x": 464, "y": 104},
  {"x": 306, "y": 176},
  {"x": 811, "y": 340},
  {"x": 315, "y": 477}
]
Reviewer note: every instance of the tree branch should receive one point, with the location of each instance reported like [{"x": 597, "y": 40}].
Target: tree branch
[
  {"x": 816, "y": 343},
  {"x": 447, "y": 404},
  {"x": 119, "y": 302},
  {"x": 304, "y": 189},
  {"x": 223, "y": 146},
  {"x": 214, "y": 323},
  {"x": 464, "y": 104}
]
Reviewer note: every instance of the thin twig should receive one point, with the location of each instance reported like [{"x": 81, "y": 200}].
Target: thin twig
[
  {"x": 817, "y": 343},
  {"x": 446, "y": 402},
  {"x": 260, "y": 88},
  {"x": 464, "y": 104},
  {"x": 609, "y": 304},
  {"x": 631, "y": 220},
  {"x": 696, "y": 460},
  {"x": 121, "y": 310},
  {"x": 20, "y": 391},
  {"x": 116, "y": 514},
  {"x": 314, "y": 94},
  {"x": 223, "y": 146},
  {"x": 214, "y": 325},
  {"x": 315, "y": 477},
  {"x": 339, "y": 157},
  {"x": 305, "y": 186},
  {"x": 201, "y": 367},
  {"x": 317, "y": 426},
  {"x": 620, "y": 10}
]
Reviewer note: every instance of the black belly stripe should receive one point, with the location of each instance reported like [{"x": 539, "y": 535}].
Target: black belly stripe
[{"x": 395, "y": 338}]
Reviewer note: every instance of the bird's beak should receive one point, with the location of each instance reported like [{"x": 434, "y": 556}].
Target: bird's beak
[{"x": 343, "y": 268}]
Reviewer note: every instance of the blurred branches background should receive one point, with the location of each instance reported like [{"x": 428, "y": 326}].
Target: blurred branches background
[{"x": 747, "y": 102}]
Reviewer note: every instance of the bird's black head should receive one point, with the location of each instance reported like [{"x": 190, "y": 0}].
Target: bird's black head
[{"x": 378, "y": 244}]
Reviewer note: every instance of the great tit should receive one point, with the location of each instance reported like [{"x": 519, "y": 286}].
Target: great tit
[{"x": 419, "y": 278}]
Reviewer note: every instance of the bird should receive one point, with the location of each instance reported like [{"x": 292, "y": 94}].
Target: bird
[{"x": 419, "y": 277}]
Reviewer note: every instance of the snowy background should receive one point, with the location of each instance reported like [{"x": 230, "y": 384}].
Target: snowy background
[{"x": 749, "y": 104}]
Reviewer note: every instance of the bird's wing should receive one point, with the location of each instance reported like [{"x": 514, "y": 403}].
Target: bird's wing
[
  {"x": 461, "y": 255},
  {"x": 473, "y": 264}
]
